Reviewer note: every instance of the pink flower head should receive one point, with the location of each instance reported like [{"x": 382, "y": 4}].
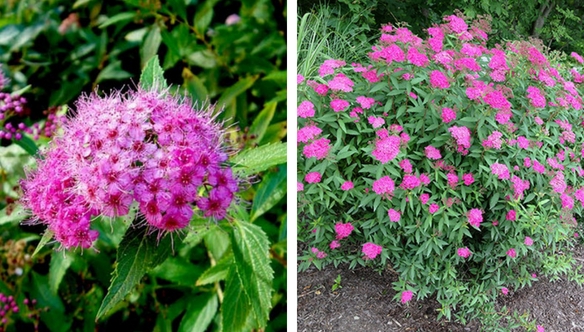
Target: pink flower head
[
  {"x": 328, "y": 67},
  {"x": 528, "y": 241},
  {"x": 308, "y": 133},
  {"x": 299, "y": 186},
  {"x": 511, "y": 215},
  {"x": 406, "y": 166},
  {"x": 343, "y": 230},
  {"x": 439, "y": 80},
  {"x": 424, "y": 198},
  {"x": 462, "y": 137},
  {"x": 536, "y": 98},
  {"x": 464, "y": 252},
  {"x": 452, "y": 179},
  {"x": 432, "y": 153},
  {"x": 567, "y": 201},
  {"x": 424, "y": 179},
  {"x": 318, "y": 149},
  {"x": 410, "y": 182},
  {"x": 384, "y": 186},
  {"x": 448, "y": 115},
  {"x": 334, "y": 244},
  {"x": 306, "y": 109},
  {"x": 417, "y": 58},
  {"x": 365, "y": 102},
  {"x": 321, "y": 255},
  {"x": 375, "y": 121},
  {"x": 493, "y": 141},
  {"x": 505, "y": 290},
  {"x": 457, "y": 24},
  {"x": 321, "y": 89},
  {"x": 468, "y": 179},
  {"x": 394, "y": 215},
  {"x": 299, "y": 79},
  {"x": 347, "y": 185},
  {"x": 406, "y": 296},
  {"x": 433, "y": 208},
  {"x": 577, "y": 57},
  {"x": 341, "y": 83},
  {"x": 538, "y": 120},
  {"x": 339, "y": 105},
  {"x": 387, "y": 148},
  {"x": 501, "y": 171},
  {"x": 313, "y": 177},
  {"x": 475, "y": 217},
  {"x": 371, "y": 250},
  {"x": 512, "y": 253},
  {"x": 540, "y": 328},
  {"x": 558, "y": 184}
]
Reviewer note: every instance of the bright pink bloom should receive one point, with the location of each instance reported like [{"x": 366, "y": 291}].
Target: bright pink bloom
[
  {"x": 371, "y": 250},
  {"x": 339, "y": 105},
  {"x": 432, "y": 153},
  {"x": 334, "y": 244},
  {"x": 452, "y": 179},
  {"x": 558, "y": 184},
  {"x": 384, "y": 186},
  {"x": 308, "y": 133},
  {"x": 511, "y": 215},
  {"x": 313, "y": 177},
  {"x": 410, "y": 182},
  {"x": 501, "y": 171},
  {"x": 468, "y": 179},
  {"x": 512, "y": 253},
  {"x": 299, "y": 79},
  {"x": 406, "y": 296},
  {"x": 433, "y": 208},
  {"x": 567, "y": 201},
  {"x": 347, "y": 185},
  {"x": 365, "y": 102},
  {"x": 535, "y": 97},
  {"x": 328, "y": 67},
  {"x": 448, "y": 115},
  {"x": 424, "y": 198},
  {"x": 341, "y": 83},
  {"x": 505, "y": 290},
  {"x": 424, "y": 179},
  {"x": 493, "y": 141},
  {"x": 375, "y": 121},
  {"x": 439, "y": 80},
  {"x": 306, "y": 109},
  {"x": 475, "y": 217},
  {"x": 417, "y": 58},
  {"x": 464, "y": 252},
  {"x": 343, "y": 230},
  {"x": 406, "y": 166},
  {"x": 299, "y": 186},
  {"x": 528, "y": 241},
  {"x": 318, "y": 149},
  {"x": 462, "y": 137},
  {"x": 387, "y": 148},
  {"x": 457, "y": 24},
  {"x": 394, "y": 215}
]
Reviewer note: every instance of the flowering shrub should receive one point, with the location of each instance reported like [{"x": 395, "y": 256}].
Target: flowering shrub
[{"x": 465, "y": 165}]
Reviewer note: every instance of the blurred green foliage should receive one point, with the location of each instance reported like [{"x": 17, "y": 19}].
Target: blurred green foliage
[{"x": 232, "y": 53}]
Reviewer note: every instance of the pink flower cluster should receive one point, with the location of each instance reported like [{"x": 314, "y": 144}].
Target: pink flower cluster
[
  {"x": 475, "y": 217},
  {"x": 394, "y": 215},
  {"x": 147, "y": 147},
  {"x": 318, "y": 148},
  {"x": 371, "y": 250},
  {"x": 343, "y": 230},
  {"x": 439, "y": 80},
  {"x": 462, "y": 137},
  {"x": 500, "y": 170},
  {"x": 432, "y": 153},
  {"x": 386, "y": 148},
  {"x": 464, "y": 252},
  {"x": 448, "y": 115},
  {"x": 384, "y": 186},
  {"x": 347, "y": 185}
]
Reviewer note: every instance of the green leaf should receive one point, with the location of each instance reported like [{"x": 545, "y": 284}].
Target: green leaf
[
  {"x": 113, "y": 71},
  {"x": 200, "y": 313},
  {"x": 203, "y": 16},
  {"x": 177, "y": 270},
  {"x": 121, "y": 17},
  {"x": 152, "y": 76},
  {"x": 253, "y": 161},
  {"x": 228, "y": 96},
  {"x": 252, "y": 268},
  {"x": 138, "y": 253},
  {"x": 235, "y": 309},
  {"x": 48, "y": 236},
  {"x": 27, "y": 144},
  {"x": 275, "y": 133},
  {"x": 217, "y": 272},
  {"x": 261, "y": 122},
  {"x": 195, "y": 87},
  {"x": 270, "y": 192},
  {"x": 150, "y": 45},
  {"x": 60, "y": 262}
]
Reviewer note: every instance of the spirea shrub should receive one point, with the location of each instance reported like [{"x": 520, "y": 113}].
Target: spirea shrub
[
  {"x": 465, "y": 163},
  {"x": 147, "y": 149}
]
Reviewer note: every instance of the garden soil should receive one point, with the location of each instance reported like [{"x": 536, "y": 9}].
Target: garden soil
[{"x": 365, "y": 303}]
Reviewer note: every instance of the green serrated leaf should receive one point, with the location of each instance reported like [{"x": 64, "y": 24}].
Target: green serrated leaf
[
  {"x": 138, "y": 253},
  {"x": 253, "y": 161},
  {"x": 149, "y": 47},
  {"x": 261, "y": 122},
  {"x": 217, "y": 272},
  {"x": 200, "y": 313},
  {"x": 235, "y": 310},
  {"x": 152, "y": 75},
  {"x": 252, "y": 264},
  {"x": 270, "y": 191},
  {"x": 48, "y": 236},
  {"x": 60, "y": 262}
]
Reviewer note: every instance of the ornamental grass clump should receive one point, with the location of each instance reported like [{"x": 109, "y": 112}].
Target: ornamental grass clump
[
  {"x": 146, "y": 148},
  {"x": 465, "y": 163}
]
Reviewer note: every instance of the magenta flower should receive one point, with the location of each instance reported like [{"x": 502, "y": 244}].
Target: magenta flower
[
  {"x": 406, "y": 296},
  {"x": 341, "y": 83},
  {"x": 347, "y": 185},
  {"x": 376, "y": 122},
  {"x": 313, "y": 177},
  {"x": 299, "y": 186},
  {"x": 439, "y": 80},
  {"x": 306, "y": 109},
  {"x": 384, "y": 186},
  {"x": 432, "y": 153},
  {"x": 528, "y": 241},
  {"x": 475, "y": 217},
  {"x": 146, "y": 147},
  {"x": 308, "y": 133},
  {"x": 318, "y": 149},
  {"x": 501, "y": 171},
  {"x": 365, "y": 102},
  {"x": 468, "y": 179},
  {"x": 511, "y": 215},
  {"x": 386, "y": 148},
  {"x": 463, "y": 252},
  {"x": 505, "y": 290},
  {"x": 433, "y": 208},
  {"x": 371, "y": 250},
  {"x": 394, "y": 215},
  {"x": 334, "y": 244},
  {"x": 343, "y": 230},
  {"x": 512, "y": 253},
  {"x": 339, "y": 105},
  {"x": 299, "y": 79},
  {"x": 424, "y": 198}
]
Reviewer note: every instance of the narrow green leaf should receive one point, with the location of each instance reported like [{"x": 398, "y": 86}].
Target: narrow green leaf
[
  {"x": 177, "y": 270},
  {"x": 253, "y": 161},
  {"x": 27, "y": 144},
  {"x": 48, "y": 236},
  {"x": 270, "y": 191},
  {"x": 113, "y": 71},
  {"x": 275, "y": 133},
  {"x": 217, "y": 272},
  {"x": 203, "y": 16},
  {"x": 200, "y": 313},
  {"x": 252, "y": 264},
  {"x": 262, "y": 121},
  {"x": 121, "y": 17},
  {"x": 494, "y": 200},
  {"x": 60, "y": 262},
  {"x": 233, "y": 91},
  {"x": 150, "y": 46},
  {"x": 195, "y": 87},
  {"x": 152, "y": 75},
  {"x": 138, "y": 253}
]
